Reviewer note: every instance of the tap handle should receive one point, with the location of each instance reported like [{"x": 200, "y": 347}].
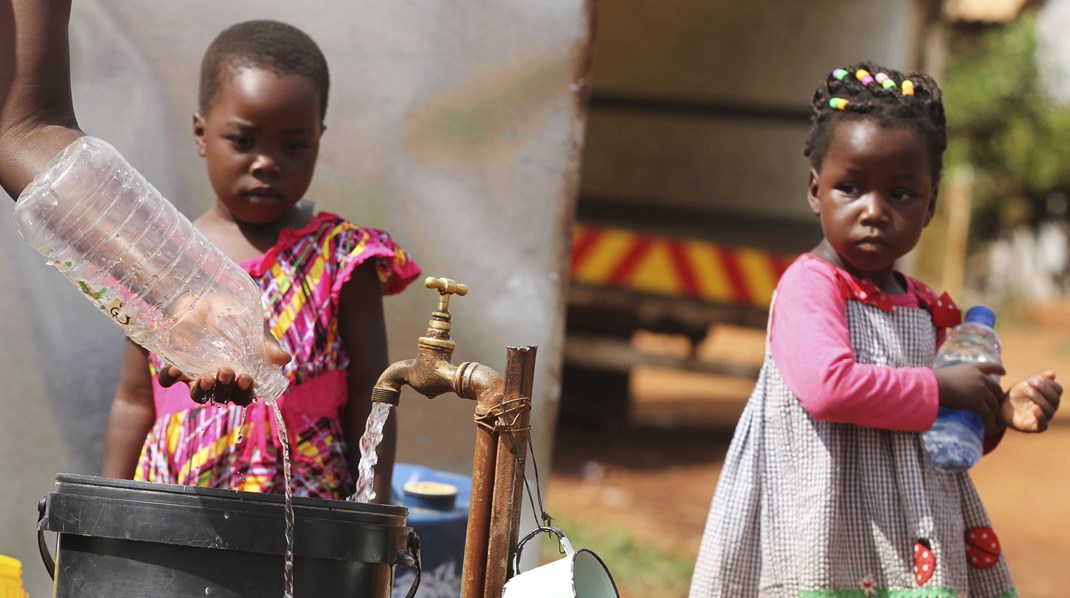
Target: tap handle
[{"x": 446, "y": 287}]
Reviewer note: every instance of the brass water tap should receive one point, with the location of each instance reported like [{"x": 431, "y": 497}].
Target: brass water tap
[
  {"x": 446, "y": 289},
  {"x": 432, "y": 372}
]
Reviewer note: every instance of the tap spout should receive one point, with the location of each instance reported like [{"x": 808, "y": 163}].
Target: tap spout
[
  {"x": 432, "y": 372},
  {"x": 469, "y": 380},
  {"x": 387, "y": 388}
]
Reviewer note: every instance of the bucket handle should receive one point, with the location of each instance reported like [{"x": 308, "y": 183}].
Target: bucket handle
[
  {"x": 565, "y": 544},
  {"x": 412, "y": 558},
  {"x": 42, "y": 544}
]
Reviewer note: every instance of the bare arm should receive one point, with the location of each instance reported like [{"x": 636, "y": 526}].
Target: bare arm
[
  {"x": 363, "y": 330},
  {"x": 36, "y": 111},
  {"x": 37, "y": 121},
  {"x": 132, "y": 415}
]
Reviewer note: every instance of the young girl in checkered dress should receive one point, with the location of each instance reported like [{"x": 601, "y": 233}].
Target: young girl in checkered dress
[{"x": 825, "y": 491}]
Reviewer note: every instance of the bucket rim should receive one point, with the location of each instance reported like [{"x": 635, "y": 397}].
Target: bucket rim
[
  {"x": 71, "y": 482},
  {"x": 601, "y": 563},
  {"x": 91, "y": 506}
]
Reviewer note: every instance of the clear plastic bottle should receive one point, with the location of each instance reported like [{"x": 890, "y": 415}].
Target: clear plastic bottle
[
  {"x": 956, "y": 441},
  {"x": 145, "y": 265}
]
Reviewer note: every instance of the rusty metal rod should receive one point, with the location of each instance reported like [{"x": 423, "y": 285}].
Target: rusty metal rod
[
  {"x": 522, "y": 426},
  {"x": 508, "y": 477},
  {"x": 508, "y": 497},
  {"x": 473, "y": 573}
]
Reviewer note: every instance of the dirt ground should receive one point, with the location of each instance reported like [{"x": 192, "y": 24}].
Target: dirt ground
[{"x": 655, "y": 476}]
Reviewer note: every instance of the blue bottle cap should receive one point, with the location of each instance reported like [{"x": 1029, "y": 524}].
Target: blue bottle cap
[{"x": 981, "y": 315}]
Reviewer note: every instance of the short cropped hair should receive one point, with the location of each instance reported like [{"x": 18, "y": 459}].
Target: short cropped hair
[{"x": 270, "y": 45}]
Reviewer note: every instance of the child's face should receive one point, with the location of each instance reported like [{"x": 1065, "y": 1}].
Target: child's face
[
  {"x": 260, "y": 139},
  {"x": 874, "y": 193}
]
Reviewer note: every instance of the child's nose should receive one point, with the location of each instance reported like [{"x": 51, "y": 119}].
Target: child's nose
[
  {"x": 264, "y": 164},
  {"x": 875, "y": 209}
]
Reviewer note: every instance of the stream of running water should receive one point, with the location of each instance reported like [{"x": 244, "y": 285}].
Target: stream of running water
[
  {"x": 288, "y": 557},
  {"x": 369, "y": 442}
]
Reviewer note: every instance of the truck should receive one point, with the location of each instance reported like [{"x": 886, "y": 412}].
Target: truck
[{"x": 692, "y": 191}]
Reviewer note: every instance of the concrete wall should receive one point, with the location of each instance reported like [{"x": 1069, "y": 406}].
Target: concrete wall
[{"x": 455, "y": 126}]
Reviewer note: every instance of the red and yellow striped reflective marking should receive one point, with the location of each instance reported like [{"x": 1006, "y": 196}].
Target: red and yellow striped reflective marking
[{"x": 626, "y": 259}]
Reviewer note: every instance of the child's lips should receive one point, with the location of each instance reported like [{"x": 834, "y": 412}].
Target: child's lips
[
  {"x": 263, "y": 193},
  {"x": 872, "y": 243}
]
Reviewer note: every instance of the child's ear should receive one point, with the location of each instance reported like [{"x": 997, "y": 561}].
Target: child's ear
[
  {"x": 812, "y": 188},
  {"x": 198, "y": 132}
]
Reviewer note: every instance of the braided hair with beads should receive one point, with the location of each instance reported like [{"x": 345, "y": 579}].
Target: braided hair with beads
[{"x": 868, "y": 90}]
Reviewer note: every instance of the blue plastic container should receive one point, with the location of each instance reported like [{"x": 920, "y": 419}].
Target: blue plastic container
[{"x": 438, "y": 513}]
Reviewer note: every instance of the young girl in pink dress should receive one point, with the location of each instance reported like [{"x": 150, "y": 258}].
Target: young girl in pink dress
[
  {"x": 825, "y": 491},
  {"x": 263, "y": 97}
]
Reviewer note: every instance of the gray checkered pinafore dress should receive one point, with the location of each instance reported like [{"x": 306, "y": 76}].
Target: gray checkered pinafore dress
[{"x": 818, "y": 509}]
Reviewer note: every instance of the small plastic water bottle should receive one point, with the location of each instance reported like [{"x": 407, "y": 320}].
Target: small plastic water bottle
[
  {"x": 145, "y": 265},
  {"x": 956, "y": 441}
]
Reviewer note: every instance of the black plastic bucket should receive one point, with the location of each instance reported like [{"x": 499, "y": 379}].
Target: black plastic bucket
[{"x": 124, "y": 539}]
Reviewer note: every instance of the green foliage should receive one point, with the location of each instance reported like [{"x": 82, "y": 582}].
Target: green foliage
[
  {"x": 637, "y": 569},
  {"x": 1002, "y": 122}
]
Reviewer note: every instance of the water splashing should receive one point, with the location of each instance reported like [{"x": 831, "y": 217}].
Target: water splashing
[
  {"x": 288, "y": 559},
  {"x": 373, "y": 435}
]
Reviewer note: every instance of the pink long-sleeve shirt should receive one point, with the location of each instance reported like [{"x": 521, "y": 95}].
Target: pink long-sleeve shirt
[{"x": 809, "y": 342}]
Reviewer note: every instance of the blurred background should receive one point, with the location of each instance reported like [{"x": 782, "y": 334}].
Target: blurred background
[{"x": 692, "y": 202}]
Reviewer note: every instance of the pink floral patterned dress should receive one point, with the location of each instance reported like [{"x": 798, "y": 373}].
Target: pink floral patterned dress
[{"x": 300, "y": 280}]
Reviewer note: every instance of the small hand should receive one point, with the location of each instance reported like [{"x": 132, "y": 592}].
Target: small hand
[
  {"x": 225, "y": 387},
  {"x": 972, "y": 386},
  {"x": 1031, "y": 403}
]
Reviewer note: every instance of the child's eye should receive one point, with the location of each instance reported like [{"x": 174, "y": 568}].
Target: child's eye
[
  {"x": 240, "y": 141},
  {"x": 849, "y": 189},
  {"x": 297, "y": 146},
  {"x": 902, "y": 195}
]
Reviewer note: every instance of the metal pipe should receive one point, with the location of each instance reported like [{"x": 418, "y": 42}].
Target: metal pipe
[
  {"x": 388, "y": 388},
  {"x": 522, "y": 425},
  {"x": 432, "y": 373},
  {"x": 477, "y": 534},
  {"x": 512, "y": 419},
  {"x": 497, "y": 466}
]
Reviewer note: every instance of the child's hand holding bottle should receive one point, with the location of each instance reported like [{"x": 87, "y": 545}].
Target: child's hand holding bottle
[
  {"x": 1030, "y": 404},
  {"x": 225, "y": 386},
  {"x": 972, "y": 386}
]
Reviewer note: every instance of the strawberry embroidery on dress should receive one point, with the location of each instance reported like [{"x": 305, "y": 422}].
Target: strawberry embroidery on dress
[
  {"x": 868, "y": 585},
  {"x": 982, "y": 547},
  {"x": 924, "y": 561}
]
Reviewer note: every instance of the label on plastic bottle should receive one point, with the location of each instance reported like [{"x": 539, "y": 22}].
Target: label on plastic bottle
[{"x": 970, "y": 419}]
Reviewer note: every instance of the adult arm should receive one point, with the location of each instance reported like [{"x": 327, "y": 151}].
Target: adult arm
[
  {"x": 363, "y": 330},
  {"x": 132, "y": 415},
  {"x": 811, "y": 347},
  {"x": 37, "y": 122},
  {"x": 36, "y": 111}
]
